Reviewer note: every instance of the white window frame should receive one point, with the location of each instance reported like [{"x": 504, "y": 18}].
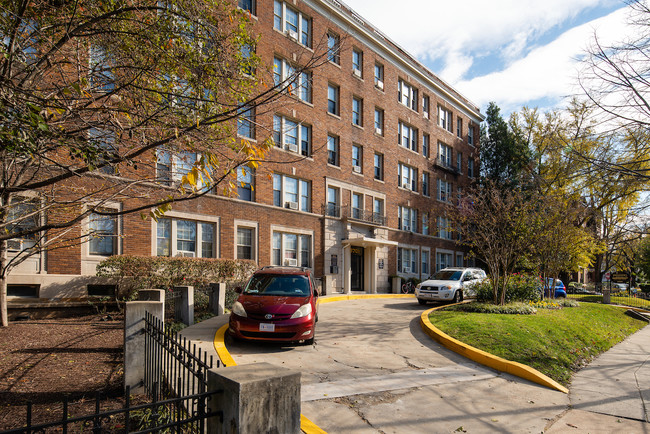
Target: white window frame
[
  {"x": 407, "y": 218},
  {"x": 378, "y": 158},
  {"x": 470, "y": 167},
  {"x": 444, "y": 190},
  {"x": 180, "y": 162},
  {"x": 357, "y": 208},
  {"x": 357, "y": 161},
  {"x": 286, "y": 196},
  {"x": 174, "y": 216},
  {"x": 101, "y": 77},
  {"x": 444, "y": 229},
  {"x": 299, "y": 233},
  {"x": 426, "y": 106},
  {"x": 408, "y": 177},
  {"x": 407, "y": 136},
  {"x": 117, "y": 243},
  {"x": 460, "y": 255},
  {"x": 304, "y": 27},
  {"x": 246, "y": 123},
  {"x": 357, "y": 111},
  {"x": 333, "y": 142},
  {"x": 296, "y": 84},
  {"x": 413, "y": 259},
  {"x": 426, "y": 184},
  {"x": 426, "y": 227},
  {"x": 459, "y": 127},
  {"x": 357, "y": 64},
  {"x": 283, "y": 127},
  {"x": 254, "y": 227},
  {"x": 423, "y": 272},
  {"x": 379, "y": 76},
  {"x": 445, "y": 155},
  {"x": 336, "y": 100},
  {"x": 444, "y": 119},
  {"x": 333, "y": 47},
  {"x": 470, "y": 134},
  {"x": 449, "y": 255},
  {"x": 379, "y": 121},
  {"x": 407, "y": 95}
]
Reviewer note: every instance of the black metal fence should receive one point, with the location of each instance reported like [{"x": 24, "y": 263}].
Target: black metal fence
[
  {"x": 169, "y": 415},
  {"x": 173, "y": 362}
]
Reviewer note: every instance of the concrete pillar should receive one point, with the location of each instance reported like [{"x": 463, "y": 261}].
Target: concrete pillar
[
  {"x": 134, "y": 341},
  {"x": 217, "y": 298},
  {"x": 328, "y": 284},
  {"x": 347, "y": 269},
  {"x": 151, "y": 295},
  {"x": 396, "y": 284},
  {"x": 184, "y": 308},
  {"x": 257, "y": 398},
  {"x": 606, "y": 296}
]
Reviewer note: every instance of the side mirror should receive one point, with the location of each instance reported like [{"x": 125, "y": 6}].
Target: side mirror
[
  {"x": 316, "y": 294},
  {"x": 238, "y": 289}
]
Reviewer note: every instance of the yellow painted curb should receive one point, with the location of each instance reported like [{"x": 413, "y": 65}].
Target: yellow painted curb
[
  {"x": 362, "y": 296},
  {"x": 309, "y": 427},
  {"x": 487, "y": 359}
]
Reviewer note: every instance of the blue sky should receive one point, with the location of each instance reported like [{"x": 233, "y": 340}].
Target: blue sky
[{"x": 512, "y": 52}]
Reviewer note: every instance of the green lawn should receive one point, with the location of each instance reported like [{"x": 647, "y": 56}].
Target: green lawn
[{"x": 555, "y": 342}]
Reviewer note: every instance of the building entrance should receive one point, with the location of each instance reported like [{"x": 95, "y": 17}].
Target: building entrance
[{"x": 356, "y": 265}]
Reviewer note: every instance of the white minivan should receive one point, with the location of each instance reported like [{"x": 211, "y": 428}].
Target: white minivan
[{"x": 449, "y": 284}]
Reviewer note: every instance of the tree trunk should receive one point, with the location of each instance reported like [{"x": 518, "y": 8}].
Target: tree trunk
[{"x": 4, "y": 316}]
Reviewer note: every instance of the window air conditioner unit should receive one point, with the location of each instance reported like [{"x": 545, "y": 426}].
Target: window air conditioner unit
[
  {"x": 292, "y": 34},
  {"x": 186, "y": 254},
  {"x": 426, "y": 115},
  {"x": 356, "y": 169},
  {"x": 291, "y": 147},
  {"x": 291, "y": 205},
  {"x": 378, "y": 131},
  {"x": 406, "y": 269},
  {"x": 380, "y": 84},
  {"x": 291, "y": 262},
  {"x": 406, "y": 185},
  {"x": 356, "y": 72}
]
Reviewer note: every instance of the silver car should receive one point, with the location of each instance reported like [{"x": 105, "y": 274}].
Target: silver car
[{"x": 449, "y": 284}]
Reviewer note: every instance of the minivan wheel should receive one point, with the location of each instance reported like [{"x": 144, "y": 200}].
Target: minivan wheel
[{"x": 458, "y": 297}]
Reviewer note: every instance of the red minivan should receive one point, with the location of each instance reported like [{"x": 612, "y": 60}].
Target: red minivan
[{"x": 277, "y": 304}]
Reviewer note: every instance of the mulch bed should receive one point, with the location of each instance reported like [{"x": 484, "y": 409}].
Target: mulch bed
[{"x": 43, "y": 361}]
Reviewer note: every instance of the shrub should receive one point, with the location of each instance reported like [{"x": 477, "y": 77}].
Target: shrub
[
  {"x": 141, "y": 272},
  {"x": 521, "y": 287},
  {"x": 510, "y": 309}
]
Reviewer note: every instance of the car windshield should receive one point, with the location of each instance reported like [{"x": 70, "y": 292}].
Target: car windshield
[
  {"x": 447, "y": 275},
  {"x": 275, "y": 284}
]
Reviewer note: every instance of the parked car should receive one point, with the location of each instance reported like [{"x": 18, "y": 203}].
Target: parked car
[
  {"x": 277, "y": 304},
  {"x": 449, "y": 284},
  {"x": 560, "y": 289}
]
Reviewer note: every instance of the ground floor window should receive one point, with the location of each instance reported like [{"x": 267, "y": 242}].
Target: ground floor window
[
  {"x": 245, "y": 246},
  {"x": 291, "y": 249},
  {"x": 459, "y": 260},
  {"x": 103, "y": 232},
  {"x": 425, "y": 263},
  {"x": 443, "y": 260},
  {"x": 407, "y": 260},
  {"x": 189, "y": 238}
]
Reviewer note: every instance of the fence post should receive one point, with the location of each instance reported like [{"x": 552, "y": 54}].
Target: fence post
[
  {"x": 606, "y": 296},
  {"x": 218, "y": 298},
  {"x": 134, "y": 334},
  {"x": 184, "y": 308},
  {"x": 396, "y": 284},
  {"x": 256, "y": 398}
]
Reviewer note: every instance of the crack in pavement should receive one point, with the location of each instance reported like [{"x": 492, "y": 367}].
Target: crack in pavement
[
  {"x": 353, "y": 406},
  {"x": 638, "y": 386}
]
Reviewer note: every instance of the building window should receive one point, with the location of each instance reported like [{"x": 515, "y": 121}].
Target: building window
[
  {"x": 291, "y": 249},
  {"x": 171, "y": 167},
  {"x": 189, "y": 238},
  {"x": 333, "y": 202},
  {"x": 425, "y": 145},
  {"x": 292, "y": 23},
  {"x": 379, "y": 167},
  {"x": 286, "y": 77},
  {"x": 407, "y": 95},
  {"x": 407, "y": 177},
  {"x": 245, "y": 183},
  {"x": 333, "y": 99},
  {"x": 291, "y": 135},
  {"x": 246, "y": 123},
  {"x": 407, "y": 260},
  {"x": 459, "y": 260},
  {"x": 333, "y": 48},
  {"x": 248, "y": 5},
  {"x": 101, "y": 77},
  {"x": 459, "y": 162},
  {"x": 245, "y": 247},
  {"x": 292, "y": 193},
  {"x": 425, "y": 106},
  {"x": 357, "y": 111},
  {"x": 408, "y": 219},
  {"x": 407, "y": 136},
  {"x": 443, "y": 260},
  {"x": 470, "y": 135},
  {"x": 357, "y": 158},
  {"x": 459, "y": 127},
  {"x": 333, "y": 150},
  {"x": 444, "y": 228},
  {"x": 425, "y": 184},
  {"x": 357, "y": 205},
  {"x": 425, "y": 262},
  {"x": 357, "y": 63},
  {"x": 445, "y": 155},
  {"x": 444, "y": 190},
  {"x": 425, "y": 224},
  {"x": 103, "y": 141},
  {"x": 444, "y": 118},
  {"x": 379, "y": 121},
  {"x": 103, "y": 235},
  {"x": 470, "y": 168},
  {"x": 379, "y": 76},
  {"x": 247, "y": 68},
  {"x": 378, "y": 210},
  {"x": 459, "y": 194},
  {"x": 22, "y": 216}
]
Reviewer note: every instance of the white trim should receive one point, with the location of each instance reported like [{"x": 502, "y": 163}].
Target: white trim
[
  {"x": 248, "y": 224},
  {"x": 199, "y": 218}
]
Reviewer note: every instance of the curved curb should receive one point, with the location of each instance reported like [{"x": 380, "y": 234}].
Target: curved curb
[
  {"x": 219, "y": 343},
  {"x": 485, "y": 358}
]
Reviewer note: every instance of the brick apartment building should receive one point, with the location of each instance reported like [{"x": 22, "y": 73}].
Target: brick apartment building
[{"x": 371, "y": 147}]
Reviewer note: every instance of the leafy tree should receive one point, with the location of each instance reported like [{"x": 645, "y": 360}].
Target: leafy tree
[
  {"x": 504, "y": 154},
  {"x": 104, "y": 102}
]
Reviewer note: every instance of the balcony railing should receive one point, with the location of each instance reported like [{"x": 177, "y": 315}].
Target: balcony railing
[
  {"x": 444, "y": 164},
  {"x": 351, "y": 213}
]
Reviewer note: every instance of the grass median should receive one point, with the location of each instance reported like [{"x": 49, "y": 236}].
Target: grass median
[{"x": 556, "y": 342}]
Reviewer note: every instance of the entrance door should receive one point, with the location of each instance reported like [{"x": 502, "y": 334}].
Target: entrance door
[{"x": 356, "y": 263}]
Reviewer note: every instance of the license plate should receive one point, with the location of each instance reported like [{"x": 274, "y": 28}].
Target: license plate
[{"x": 264, "y": 327}]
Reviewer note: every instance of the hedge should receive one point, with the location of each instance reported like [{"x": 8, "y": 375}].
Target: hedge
[{"x": 160, "y": 272}]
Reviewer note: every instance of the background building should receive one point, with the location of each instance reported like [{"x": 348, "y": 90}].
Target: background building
[{"x": 370, "y": 148}]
